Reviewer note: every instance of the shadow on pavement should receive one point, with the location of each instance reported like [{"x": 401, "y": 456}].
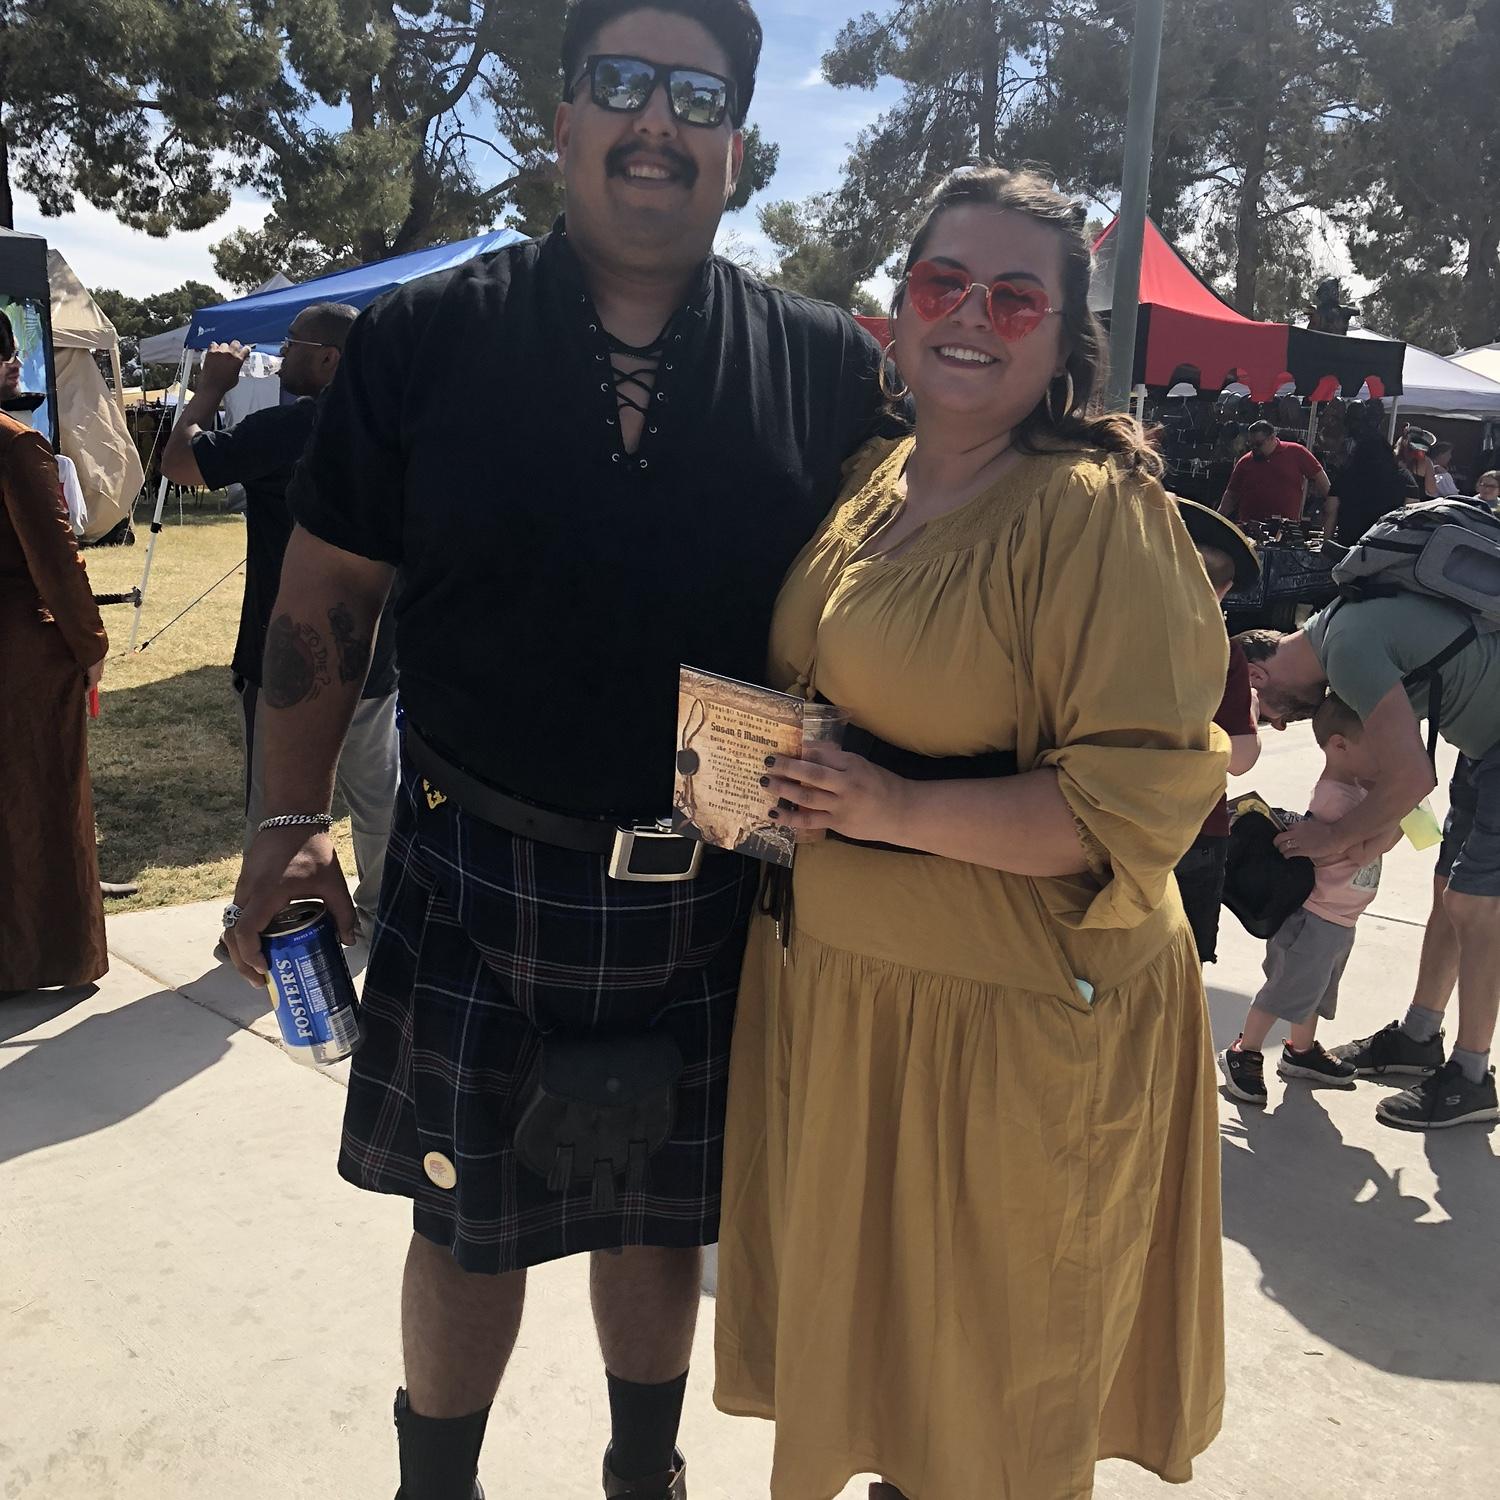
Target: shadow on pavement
[
  {"x": 1347, "y": 1251},
  {"x": 103, "y": 1069},
  {"x": 36, "y": 1007}
]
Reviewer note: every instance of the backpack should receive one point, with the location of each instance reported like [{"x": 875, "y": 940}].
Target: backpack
[{"x": 1444, "y": 549}]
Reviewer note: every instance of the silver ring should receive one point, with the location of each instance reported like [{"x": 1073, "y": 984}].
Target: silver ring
[{"x": 231, "y": 916}]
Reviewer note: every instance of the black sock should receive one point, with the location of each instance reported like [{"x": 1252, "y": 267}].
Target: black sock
[
  {"x": 439, "y": 1455},
  {"x": 644, "y": 1420}
]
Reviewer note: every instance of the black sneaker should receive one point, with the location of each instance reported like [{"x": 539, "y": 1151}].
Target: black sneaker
[
  {"x": 1317, "y": 1066},
  {"x": 1449, "y": 1097},
  {"x": 1244, "y": 1074},
  {"x": 1390, "y": 1050}
]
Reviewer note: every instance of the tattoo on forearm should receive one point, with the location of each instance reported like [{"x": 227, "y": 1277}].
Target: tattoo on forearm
[
  {"x": 296, "y": 667},
  {"x": 354, "y": 652}
]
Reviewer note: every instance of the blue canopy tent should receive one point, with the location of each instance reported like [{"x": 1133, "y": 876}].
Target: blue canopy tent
[{"x": 263, "y": 320}]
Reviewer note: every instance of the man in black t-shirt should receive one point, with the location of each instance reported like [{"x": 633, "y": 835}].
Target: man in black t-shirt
[
  {"x": 260, "y": 453},
  {"x": 591, "y": 459}
]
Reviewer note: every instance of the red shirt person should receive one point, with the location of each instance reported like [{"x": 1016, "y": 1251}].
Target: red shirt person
[{"x": 1272, "y": 479}]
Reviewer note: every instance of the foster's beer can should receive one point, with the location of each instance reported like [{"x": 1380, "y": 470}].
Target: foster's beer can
[{"x": 313, "y": 993}]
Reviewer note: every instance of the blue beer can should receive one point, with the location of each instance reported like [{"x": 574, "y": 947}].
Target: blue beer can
[{"x": 311, "y": 986}]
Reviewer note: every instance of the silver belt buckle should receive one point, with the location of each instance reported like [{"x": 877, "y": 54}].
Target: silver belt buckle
[{"x": 627, "y": 838}]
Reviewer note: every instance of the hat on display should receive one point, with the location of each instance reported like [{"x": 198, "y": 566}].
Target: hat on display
[
  {"x": 1420, "y": 439},
  {"x": 1209, "y": 529}
]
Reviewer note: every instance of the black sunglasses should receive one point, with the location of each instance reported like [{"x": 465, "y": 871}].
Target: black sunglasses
[{"x": 625, "y": 85}]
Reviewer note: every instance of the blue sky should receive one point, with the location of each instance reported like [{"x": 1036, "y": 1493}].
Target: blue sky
[{"x": 812, "y": 122}]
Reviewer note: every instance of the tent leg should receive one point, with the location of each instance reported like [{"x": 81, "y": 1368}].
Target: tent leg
[
  {"x": 1312, "y": 422},
  {"x": 1395, "y": 407},
  {"x": 161, "y": 504}
]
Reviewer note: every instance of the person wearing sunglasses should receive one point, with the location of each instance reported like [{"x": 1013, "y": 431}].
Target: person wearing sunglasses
[
  {"x": 592, "y": 458},
  {"x": 972, "y": 1140}
]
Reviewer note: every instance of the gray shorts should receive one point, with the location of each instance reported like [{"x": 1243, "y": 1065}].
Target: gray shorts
[
  {"x": 1470, "y": 857},
  {"x": 1304, "y": 964}
]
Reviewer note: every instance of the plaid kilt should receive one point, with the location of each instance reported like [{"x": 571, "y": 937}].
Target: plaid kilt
[{"x": 484, "y": 940}]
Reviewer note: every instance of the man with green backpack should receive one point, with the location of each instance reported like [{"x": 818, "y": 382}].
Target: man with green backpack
[{"x": 1416, "y": 634}]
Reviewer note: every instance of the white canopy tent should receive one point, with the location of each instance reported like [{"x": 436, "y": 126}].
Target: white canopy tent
[
  {"x": 91, "y": 426},
  {"x": 1485, "y": 360},
  {"x": 1438, "y": 387}
]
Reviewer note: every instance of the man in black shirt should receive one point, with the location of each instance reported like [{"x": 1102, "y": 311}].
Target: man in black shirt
[
  {"x": 589, "y": 460},
  {"x": 260, "y": 453}
]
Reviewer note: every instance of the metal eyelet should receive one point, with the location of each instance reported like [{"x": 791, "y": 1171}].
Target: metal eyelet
[
  {"x": 650, "y": 429},
  {"x": 614, "y": 458},
  {"x": 660, "y": 395},
  {"x": 593, "y": 328},
  {"x": 669, "y": 364},
  {"x": 604, "y": 385},
  {"x": 643, "y": 463}
]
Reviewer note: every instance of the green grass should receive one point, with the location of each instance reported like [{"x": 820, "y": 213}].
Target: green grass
[{"x": 166, "y": 753}]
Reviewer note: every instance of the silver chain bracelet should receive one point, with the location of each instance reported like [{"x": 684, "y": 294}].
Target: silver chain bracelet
[{"x": 323, "y": 821}]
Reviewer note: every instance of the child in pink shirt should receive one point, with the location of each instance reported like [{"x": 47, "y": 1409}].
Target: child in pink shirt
[{"x": 1305, "y": 959}]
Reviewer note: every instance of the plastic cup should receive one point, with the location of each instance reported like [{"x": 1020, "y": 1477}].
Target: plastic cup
[
  {"x": 822, "y": 724},
  {"x": 1421, "y": 826}
]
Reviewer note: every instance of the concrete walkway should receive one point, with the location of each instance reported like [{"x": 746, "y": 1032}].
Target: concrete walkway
[{"x": 193, "y": 1304}]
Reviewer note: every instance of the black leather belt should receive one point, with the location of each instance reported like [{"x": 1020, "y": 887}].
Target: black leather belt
[{"x": 646, "y": 851}]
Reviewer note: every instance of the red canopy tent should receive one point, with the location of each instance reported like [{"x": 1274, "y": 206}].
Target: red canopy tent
[
  {"x": 1185, "y": 325},
  {"x": 1184, "y": 322}
]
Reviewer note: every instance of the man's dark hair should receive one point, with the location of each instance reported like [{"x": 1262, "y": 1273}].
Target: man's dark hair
[
  {"x": 328, "y": 322},
  {"x": 1259, "y": 645},
  {"x": 7, "y": 338},
  {"x": 733, "y": 24},
  {"x": 1259, "y": 430}
]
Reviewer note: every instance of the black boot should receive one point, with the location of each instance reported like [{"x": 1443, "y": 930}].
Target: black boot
[
  {"x": 672, "y": 1485},
  {"x": 439, "y": 1455}
]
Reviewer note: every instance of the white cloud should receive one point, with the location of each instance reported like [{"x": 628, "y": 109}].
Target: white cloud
[
  {"x": 104, "y": 253},
  {"x": 813, "y": 77}
]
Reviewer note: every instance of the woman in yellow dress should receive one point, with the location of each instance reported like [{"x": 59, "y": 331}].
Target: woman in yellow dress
[{"x": 971, "y": 1189}]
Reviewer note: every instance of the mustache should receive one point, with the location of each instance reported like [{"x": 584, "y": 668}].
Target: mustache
[{"x": 619, "y": 157}]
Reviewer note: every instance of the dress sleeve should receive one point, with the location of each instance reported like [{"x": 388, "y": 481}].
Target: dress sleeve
[
  {"x": 33, "y": 500},
  {"x": 1122, "y": 663}
]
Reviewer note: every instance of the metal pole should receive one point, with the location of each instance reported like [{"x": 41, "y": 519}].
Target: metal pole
[
  {"x": 183, "y": 371},
  {"x": 1130, "y": 230}
]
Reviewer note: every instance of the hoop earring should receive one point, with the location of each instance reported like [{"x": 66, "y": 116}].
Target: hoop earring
[
  {"x": 886, "y": 363},
  {"x": 1052, "y": 416}
]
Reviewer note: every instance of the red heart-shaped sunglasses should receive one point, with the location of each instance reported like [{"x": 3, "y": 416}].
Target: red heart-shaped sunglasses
[{"x": 937, "y": 290}]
